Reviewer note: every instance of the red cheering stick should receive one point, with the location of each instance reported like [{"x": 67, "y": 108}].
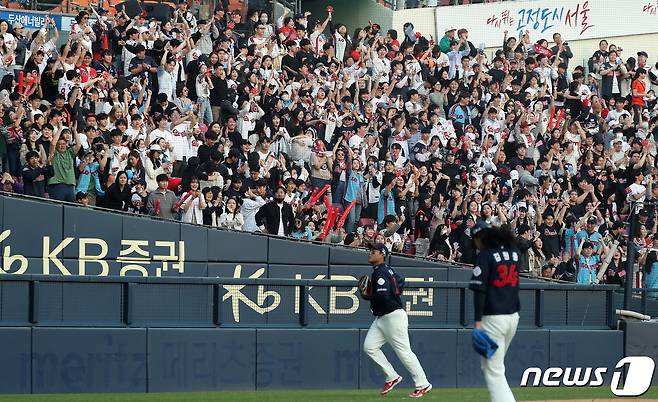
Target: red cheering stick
[
  {"x": 106, "y": 45},
  {"x": 325, "y": 228},
  {"x": 342, "y": 219},
  {"x": 30, "y": 85},
  {"x": 313, "y": 195},
  {"x": 327, "y": 202},
  {"x": 157, "y": 206},
  {"x": 334, "y": 215},
  {"x": 329, "y": 223},
  {"x": 317, "y": 194},
  {"x": 20, "y": 82},
  {"x": 559, "y": 117},
  {"x": 324, "y": 190},
  {"x": 182, "y": 200}
]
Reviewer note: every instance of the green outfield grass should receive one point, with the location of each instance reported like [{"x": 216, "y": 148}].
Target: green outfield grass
[{"x": 438, "y": 394}]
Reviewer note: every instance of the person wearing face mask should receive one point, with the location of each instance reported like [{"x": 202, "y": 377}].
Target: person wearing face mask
[{"x": 276, "y": 217}]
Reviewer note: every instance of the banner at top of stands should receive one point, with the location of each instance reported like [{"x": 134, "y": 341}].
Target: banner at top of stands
[
  {"x": 36, "y": 20},
  {"x": 574, "y": 19}
]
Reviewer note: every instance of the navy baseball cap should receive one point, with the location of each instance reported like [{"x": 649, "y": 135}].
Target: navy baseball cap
[{"x": 379, "y": 247}]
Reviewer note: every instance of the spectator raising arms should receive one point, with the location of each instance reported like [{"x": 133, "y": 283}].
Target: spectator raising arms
[{"x": 297, "y": 128}]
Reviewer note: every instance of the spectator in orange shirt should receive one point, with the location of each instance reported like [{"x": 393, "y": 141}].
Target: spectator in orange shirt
[{"x": 639, "y": 90}]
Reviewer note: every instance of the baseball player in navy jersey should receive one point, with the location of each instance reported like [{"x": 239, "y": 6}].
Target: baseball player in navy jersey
[
  {"x": 495, "y": 282},
  {"x": 391, "y": 324}
]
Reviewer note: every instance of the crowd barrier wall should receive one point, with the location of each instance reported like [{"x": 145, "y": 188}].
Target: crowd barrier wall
[
  {"x": 227, "y": 302},
  {"x": 66, "y": 241},
  {"x": 52, "y": 238}
]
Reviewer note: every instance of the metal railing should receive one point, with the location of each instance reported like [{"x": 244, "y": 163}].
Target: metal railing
[
  {"x": 38, "y": 300},
  {"x": 643, "y": 300}
]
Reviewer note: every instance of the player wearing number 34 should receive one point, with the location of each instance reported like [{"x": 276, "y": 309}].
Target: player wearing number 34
[{"x": 495, "y": 282}]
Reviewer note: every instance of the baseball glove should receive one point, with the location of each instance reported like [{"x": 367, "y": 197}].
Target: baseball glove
[
  {"x": 365, "y": 286},
  {"x": 483, "y": 344}
]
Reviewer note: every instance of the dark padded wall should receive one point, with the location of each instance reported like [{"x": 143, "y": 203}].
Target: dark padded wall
[
  {"x": 15, "y": 363},
  {"x": 88, "y": 360},
  {"x": 291, "y": 359},
  {"x": 642, "y": 340},
  {"x": 14, "y": 303},
  {"x": 201, "y": 359},
  {"x": 198, "y": 359}
]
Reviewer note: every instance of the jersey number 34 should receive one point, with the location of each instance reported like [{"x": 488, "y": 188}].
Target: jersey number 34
[{"x": 507, "y": 275}]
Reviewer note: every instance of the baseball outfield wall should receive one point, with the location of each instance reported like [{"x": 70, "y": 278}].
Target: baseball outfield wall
[{"x": 92, "y": 301}]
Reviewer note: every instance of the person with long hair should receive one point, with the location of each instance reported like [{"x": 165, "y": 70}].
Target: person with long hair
[
  {"x": 231, "y": 218},
  {"x": 6, "y": 58},
  {"x": 213, "y": 208},
  {"x": 279, "y": 135},
  {"x": 650, "y": 271},
  {"x": 153, "y": 167},
  {"x": 354, "y": 192},
  {"x": 340, "y": 172},
  {"x": 536, "y": 257},
  {"x": 118, "y": 195},
  {"x": 616, "y": 270},
  {"x": 440, "y": 247},
  {"x": 301, "y": 230},
  {"x": 113, "y": 104},
  {"x": 193, "y": 203},
  {"x": 135, "y": 168},
  {"x": 32, "y": 144},
  {"x": 203, "y": 87},
  {"x": 639, "y": 91},
  {"x": 495, "y": 282}
]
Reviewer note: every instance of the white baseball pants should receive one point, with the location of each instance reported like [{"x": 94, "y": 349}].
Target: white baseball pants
[
  {"x": 393, "y": 328},
  {"x": 501, "y": 328}
]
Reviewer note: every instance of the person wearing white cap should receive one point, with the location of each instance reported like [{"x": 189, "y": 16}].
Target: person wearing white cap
[
  {"x": 618, "y": 152},
  {"x": 22, "y": 44},
  {"x": 447, "y": 39}
]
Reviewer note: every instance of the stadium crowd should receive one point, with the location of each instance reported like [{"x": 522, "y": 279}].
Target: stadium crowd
[{"x": 302, "y": 127}]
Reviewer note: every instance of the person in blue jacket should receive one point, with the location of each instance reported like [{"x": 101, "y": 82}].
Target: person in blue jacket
[
  {"x": 591, "y": 235},
  {"x": 588, "y": 264}
]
